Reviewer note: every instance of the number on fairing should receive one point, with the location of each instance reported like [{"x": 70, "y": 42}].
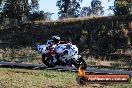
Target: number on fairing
[{"x": 73, "y": 49}]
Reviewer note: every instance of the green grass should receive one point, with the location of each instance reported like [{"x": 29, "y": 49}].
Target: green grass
[{"x": 22, "y": 78}]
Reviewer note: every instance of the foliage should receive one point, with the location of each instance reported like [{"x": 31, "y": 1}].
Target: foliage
[
  {"x": 121, "y": 7},
  {"x": 1, "y": 2},
  {"x": 15, "y": 8},
  {"x": 39, "y": 15},
  {"x": 34, "y": 4},
  {"x": 95, "y": 9},
  {"x": 85, "y": 11},
  {"x": 68, "y": 8},
  {"x": 104, "y": 35}
]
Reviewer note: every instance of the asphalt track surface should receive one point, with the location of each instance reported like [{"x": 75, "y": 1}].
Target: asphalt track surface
[{"x": 61, "y": 68}]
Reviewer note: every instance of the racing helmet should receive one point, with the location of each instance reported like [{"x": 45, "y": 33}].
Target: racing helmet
[{"x": 56, "y": 39}]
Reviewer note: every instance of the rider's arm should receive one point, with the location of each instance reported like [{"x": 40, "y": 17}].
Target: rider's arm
[{"x": 62, "y": 42}]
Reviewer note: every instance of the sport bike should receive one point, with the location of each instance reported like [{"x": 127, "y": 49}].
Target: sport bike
[{"x": 64, "y": 54}]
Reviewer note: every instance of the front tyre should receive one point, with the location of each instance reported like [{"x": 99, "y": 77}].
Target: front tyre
[
  {"x": 48, "y": 61},
  {"x": 79, "y": 62}
]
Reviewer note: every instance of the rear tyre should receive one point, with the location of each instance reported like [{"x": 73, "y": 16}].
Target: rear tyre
[{"x": 48, "y": 61}]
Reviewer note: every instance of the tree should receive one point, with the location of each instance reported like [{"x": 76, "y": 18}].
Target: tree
[
  {"x": 34, "y": 3},
  {"x": 1, "y": 4},
  {"x": 85, "y": 11},
  {"x": 121, "y": 7},
  {"x": 96, "y": 7},
  {"x": 39, "y": 15},
  {"x": 68, "y": 8},
  {"x": 18, "y": 9},
  {"x": 15, "y": 8}
]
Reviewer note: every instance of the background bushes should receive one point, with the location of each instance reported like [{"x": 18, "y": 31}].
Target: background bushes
[{"x": 100, "y": 35}]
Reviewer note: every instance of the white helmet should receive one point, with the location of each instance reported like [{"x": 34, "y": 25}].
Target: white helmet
[{"x": 56, "y": 39}]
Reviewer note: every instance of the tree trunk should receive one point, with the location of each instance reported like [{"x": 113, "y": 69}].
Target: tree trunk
[{"x": 66, "y": 5}]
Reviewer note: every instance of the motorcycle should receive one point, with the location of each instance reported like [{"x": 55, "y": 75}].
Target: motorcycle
[{"x": 64, "y": 54}]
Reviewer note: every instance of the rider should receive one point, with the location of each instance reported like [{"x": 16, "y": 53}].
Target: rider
[{"x": 55, "y": 41}]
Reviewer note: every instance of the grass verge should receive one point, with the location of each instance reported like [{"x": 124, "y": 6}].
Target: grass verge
[{"x": 22, "y": 78}]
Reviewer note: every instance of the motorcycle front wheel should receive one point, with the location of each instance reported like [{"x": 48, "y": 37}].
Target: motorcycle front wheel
[
  {"x": 48, "y": 61},
  {"x": 79, "y": 62}
]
